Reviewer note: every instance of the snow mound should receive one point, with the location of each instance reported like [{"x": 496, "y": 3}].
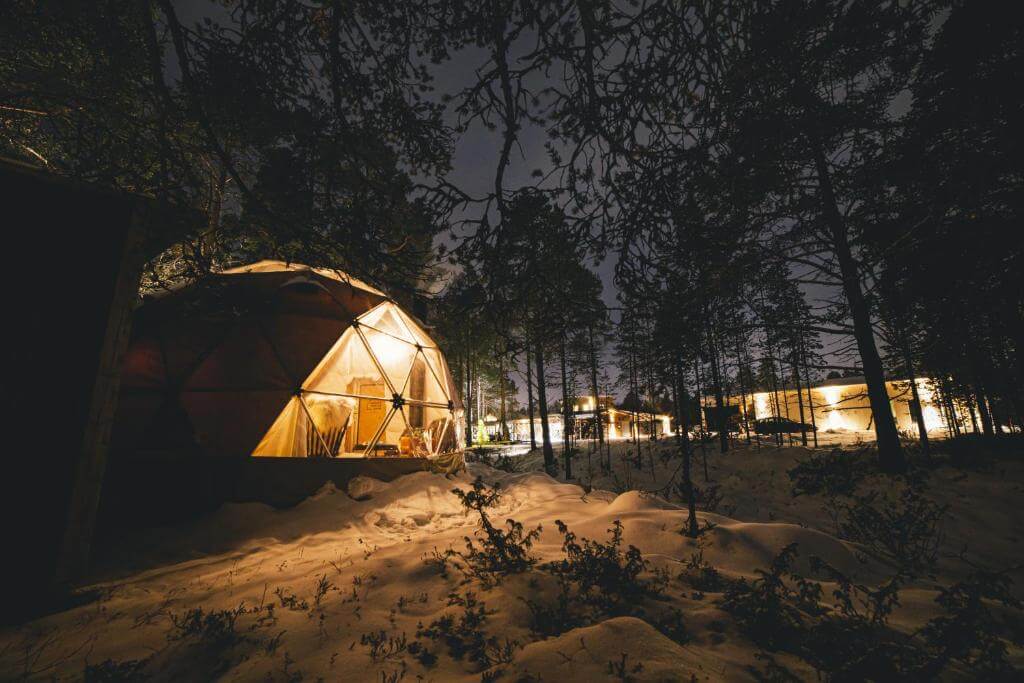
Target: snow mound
[
  {"x": 527, "y": 488},
  {"x": 597, "y": 652},
  {"x": 364, "y": 488},
  {"x": 742, "y": 546},
  {"x": 635, "y": 501},
  {"x": 328, "y": 489}
]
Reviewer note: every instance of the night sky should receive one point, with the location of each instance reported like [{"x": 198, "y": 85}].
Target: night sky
[{"x": 476, "y": 151}]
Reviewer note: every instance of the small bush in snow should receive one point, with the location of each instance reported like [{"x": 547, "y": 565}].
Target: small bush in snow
[
  {"x": 604, "y": 573},
  {"x": 501, "y": 551},
  {"x": 463, "y": 634},
  {"x": 215, "y": 628},
  {"x": 622, "y": 670},
  {"x": 907, "y": 528},
  {"x": 291, "y": 601},
  {"x": 552, "y": 619},
  {"x": 968, "y": 632},
  {"x": 837, "y": 473},
  {"x": 383, "y": 646},
  {"x": 771, "y": 613},
  {"x": 109, "y": 671},
  {"x": 699, "y": 573},
  {"x": 853, "y": 641},
  {"x": 323, "y": 587},
  {"x": 439, "y": 560}
]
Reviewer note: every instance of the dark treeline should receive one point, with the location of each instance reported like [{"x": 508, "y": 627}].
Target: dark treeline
[
  {"x": 786, "y": 187},
  {"x": 528, "y": 291},
  {"x": 768, "y": 173}
]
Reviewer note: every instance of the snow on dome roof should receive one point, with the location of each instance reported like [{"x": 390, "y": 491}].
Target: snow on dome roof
[{"x": 274, "y": 266}]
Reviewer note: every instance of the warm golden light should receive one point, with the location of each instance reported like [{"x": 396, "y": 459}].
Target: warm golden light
[
  {"x": 762, "y": 407},
  {"x": 932, "y": 418},
  {"x": 831, "y": 394},
  {"x": 388, "y": 350},
  {"x": 835, "y": 421}
]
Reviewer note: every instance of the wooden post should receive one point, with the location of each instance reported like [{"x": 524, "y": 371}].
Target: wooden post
[{"x": 91, "y": 463}]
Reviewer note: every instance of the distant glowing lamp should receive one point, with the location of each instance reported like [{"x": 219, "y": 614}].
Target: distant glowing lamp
[
  {"x": 762, "y": 408},
  {"x": 932, "y": 418},
  {"x": 836, "y": 421}
]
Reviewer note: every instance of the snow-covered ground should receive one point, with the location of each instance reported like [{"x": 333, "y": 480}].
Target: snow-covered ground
[{"x": 344, "y": 566}]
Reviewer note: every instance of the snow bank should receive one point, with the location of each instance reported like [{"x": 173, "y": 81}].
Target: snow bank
[
  {"x": 366, "y": 549},
  {"x": 624, "y": 644}
]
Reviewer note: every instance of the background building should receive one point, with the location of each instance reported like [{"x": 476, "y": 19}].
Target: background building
[
  {"x": 840, "y": 405},
  {"x": 616, "y": 423}
]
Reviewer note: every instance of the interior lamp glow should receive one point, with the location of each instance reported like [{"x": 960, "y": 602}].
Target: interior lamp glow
[{"x": 388, "y": 350}]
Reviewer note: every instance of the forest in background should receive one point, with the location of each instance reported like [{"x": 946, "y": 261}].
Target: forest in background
[{"x": 785, "y": 188}]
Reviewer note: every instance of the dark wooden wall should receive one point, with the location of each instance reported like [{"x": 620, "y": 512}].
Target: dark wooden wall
[{"x": 68, "y": 266}]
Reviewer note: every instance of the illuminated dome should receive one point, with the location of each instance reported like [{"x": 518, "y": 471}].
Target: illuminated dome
[{"x": 283, "y": 360}]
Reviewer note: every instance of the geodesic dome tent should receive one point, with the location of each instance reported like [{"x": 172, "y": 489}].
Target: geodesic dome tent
[{"x": 284, "y": 360}]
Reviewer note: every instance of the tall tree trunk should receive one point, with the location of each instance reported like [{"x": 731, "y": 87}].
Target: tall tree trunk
[
  {"x": 773, "y": 380},
  {"x": 947, "y": 411},
  {"x": 922, "y": 429},
  {"x": 648, "y": 367},
  {"x": 652, "y": 422},
  {"x": 899, "y": 326},
  {"x": 635, "y": 389},
  {"x": 785, "y": 397},
  {"x": 1008, "y": 393},
  {"x": 529, "y": 400},
  {"x": 480, "y": 406},
  {"x": 542, "y": 400},
  {"x": 502, "y": 435},
  {"x": 213, "y": 217},
  {"x": 987, "y": 423},
  {"x": 700, "y": 398},
  {"x": 700, "y": 406},
  {"x": 949, "y": 402},
  {"x": 716, "y": 387},
  {"x": 890, "y": 452},
  {"x": 680, "y": 401},
  {"x": 810, "y": 395},
  {"x": 566, "y": 414},
  {"x": 743, "y": 389},
  {"x": 973, "y": 414},
  {"x": 598, "y": 423},
  {"x": 469, "y": 400},
  {"x": 799, "y": 399}
]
